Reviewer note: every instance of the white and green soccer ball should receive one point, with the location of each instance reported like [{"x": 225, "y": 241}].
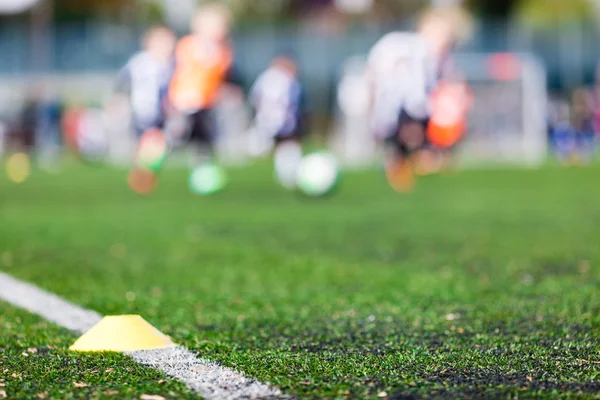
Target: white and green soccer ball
[
  {"x": 317, "y": 174},
  {"x": 207, "y": 179}
]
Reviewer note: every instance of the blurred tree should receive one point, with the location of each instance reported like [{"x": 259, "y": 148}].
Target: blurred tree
[
  {"x": 542, "y": 13},
  {"x": 272, "y": 11},
  {"x": 502, "y": 9},
  {"x": 255, "y": 11},
  {"x": 280, "y": 11},
  {"x": 66, "y": 10}
]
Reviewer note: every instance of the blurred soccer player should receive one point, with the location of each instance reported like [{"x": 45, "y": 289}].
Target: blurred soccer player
[
  {"x": 277, "y": 100},
  {"x": 145, "y": 80},
  {"x": 450, "y": 103},
  {"x": 204, "y": 64},
  {"x": 403, "y": 70}
]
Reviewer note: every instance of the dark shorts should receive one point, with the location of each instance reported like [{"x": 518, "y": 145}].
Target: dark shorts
[
  {"x": 141, "y": 128},
  {"x": 409, "y": 136},
  {"x": 202, "y": 127},
  {"x": 296, "y": 136}
]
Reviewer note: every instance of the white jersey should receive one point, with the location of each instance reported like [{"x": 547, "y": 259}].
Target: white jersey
[
  {"x": 276, "y": 97},
  {"x": 146, "y": 80},
  {"x": 402, "y": 73}
]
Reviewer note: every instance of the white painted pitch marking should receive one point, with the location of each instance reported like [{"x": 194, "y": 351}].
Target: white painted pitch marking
[
  {"x": 47, "y": 305},
  {"x": 206, "y": 377}
]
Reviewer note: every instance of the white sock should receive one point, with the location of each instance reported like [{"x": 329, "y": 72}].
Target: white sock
[
  {"x": 199, "y": 154},
  {"x": 288, "y": 156}
]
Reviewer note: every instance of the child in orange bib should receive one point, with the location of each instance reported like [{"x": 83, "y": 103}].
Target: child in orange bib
[
  {"x": 450, "y": 104},
  {"x": 204, "y": 63},
  {"x": 202, "y": 67}
]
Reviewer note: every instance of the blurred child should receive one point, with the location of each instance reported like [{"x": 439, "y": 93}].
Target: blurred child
[
  {"x": 562, "y": 133},
  {"x": 145, "y": 80},
  {"x": 450, "y": 103},
  {"x": 28, "y": 122},
  {"x": 583, "y": 122},
  {"x": 403, "y": 70},
  {"x": 596, "y": 102},
  {"x": 277, "y": 100},
  {"x": 204, "y": 64}
]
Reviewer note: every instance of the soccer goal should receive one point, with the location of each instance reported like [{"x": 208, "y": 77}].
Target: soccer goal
[
  {"x": 506, "y": 125},
  {"x": 507, "y": 122},
  {"x": 352, "y": 140}
]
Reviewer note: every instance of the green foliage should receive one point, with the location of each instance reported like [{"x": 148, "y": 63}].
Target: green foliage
[
  {"x": 548, "y": 12},
  {"x": 493, "y": 9}
]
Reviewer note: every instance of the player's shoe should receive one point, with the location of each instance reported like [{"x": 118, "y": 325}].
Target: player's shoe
[
  {"x": 152, "y": 150},
  {"x": 401, "y": 176}
]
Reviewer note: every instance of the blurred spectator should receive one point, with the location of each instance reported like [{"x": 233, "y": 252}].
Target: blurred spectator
[
  {"x": 28, "y": 123},
  {"x": 562, "y": 133},
  {"x": 71, "y": 119},
  {"x": 84, "y": 130},
  {"x": 583, "y": 124},
  {"x": 596, "y": 103},
  {"x": 48, "y": 131}
]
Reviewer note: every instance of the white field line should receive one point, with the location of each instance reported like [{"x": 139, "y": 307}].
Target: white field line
[{"x": 207, "y": 378}]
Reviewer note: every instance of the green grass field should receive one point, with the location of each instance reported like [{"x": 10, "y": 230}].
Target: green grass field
[{"x": 480, "y": 284}]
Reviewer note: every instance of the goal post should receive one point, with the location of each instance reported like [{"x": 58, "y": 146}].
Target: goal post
[{"x": 507, "y": 124}]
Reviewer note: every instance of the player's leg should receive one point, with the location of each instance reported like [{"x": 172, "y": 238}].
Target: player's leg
[
  {"x": 406, "y": 142},
  {"x": 286, "y": 159},
  {"x": 430, "y": 158},
  {"x": 202, "y": 127},
  {"x": 206, "y": 177},
  {"x": 152, "y": 144}
]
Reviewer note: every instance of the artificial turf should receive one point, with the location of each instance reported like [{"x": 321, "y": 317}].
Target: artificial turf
[
  {"x": 35, "y": 363},
  {"x": 479, "y": 284}
]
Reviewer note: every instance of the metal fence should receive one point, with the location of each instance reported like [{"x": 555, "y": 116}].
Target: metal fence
[{"x": 569, "y": 51}]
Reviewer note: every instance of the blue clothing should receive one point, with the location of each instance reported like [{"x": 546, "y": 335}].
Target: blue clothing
[{"x": 277, "y": 99}]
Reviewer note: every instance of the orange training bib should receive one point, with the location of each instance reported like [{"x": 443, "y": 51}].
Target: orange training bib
[{"x": 200, "y": 71}]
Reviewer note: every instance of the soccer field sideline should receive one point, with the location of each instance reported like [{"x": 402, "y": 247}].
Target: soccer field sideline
[{"x": 205, "y": 377}]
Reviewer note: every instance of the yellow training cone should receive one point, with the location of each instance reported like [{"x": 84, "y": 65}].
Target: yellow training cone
[
  {"x": 122, "y": 333},
  {"x": 18, "y": 167}
]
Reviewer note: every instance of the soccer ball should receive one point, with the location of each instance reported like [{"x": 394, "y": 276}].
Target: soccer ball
[
  {"x": 317, "y": 174},
  {"x": 207, "y": 179}
]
